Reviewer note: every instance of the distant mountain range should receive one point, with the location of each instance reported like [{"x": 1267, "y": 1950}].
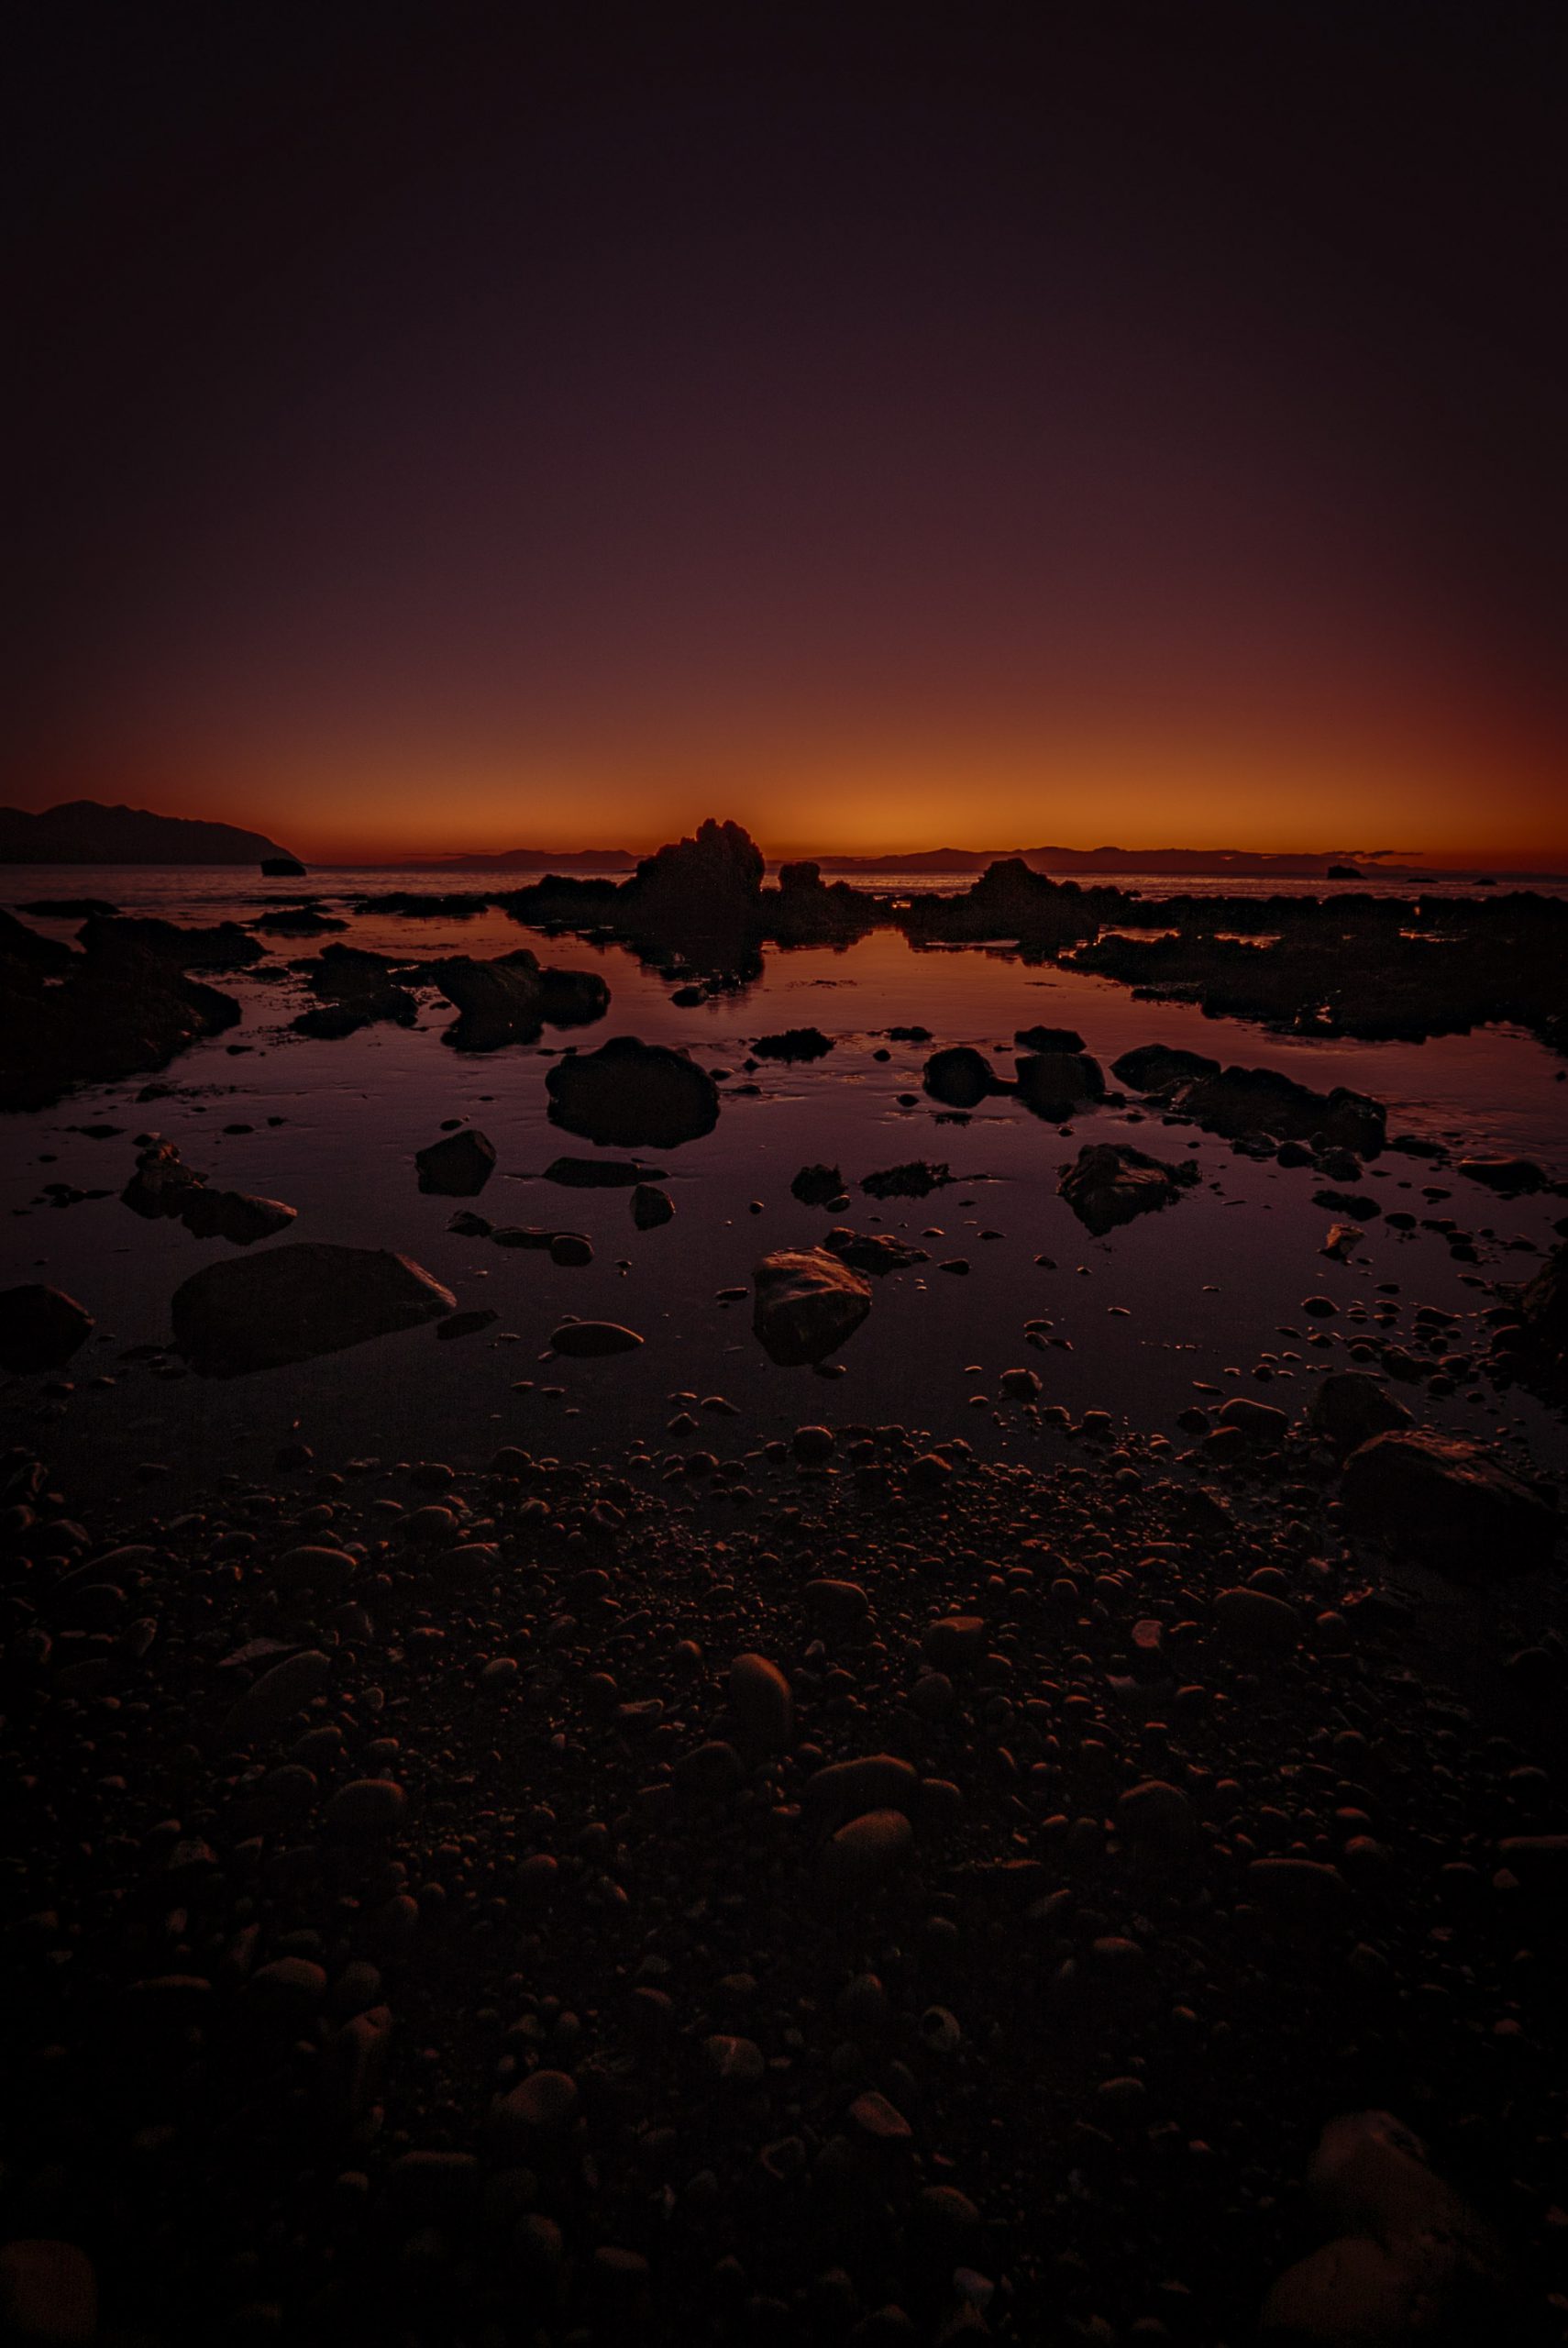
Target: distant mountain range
[
  {"x": 1242, "y": 862},
  {"x": 83, "y": 832},
  {"x": 542, "y": 859}
]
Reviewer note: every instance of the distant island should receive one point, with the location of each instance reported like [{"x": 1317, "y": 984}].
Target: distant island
[{"x": 83, "y": 832}]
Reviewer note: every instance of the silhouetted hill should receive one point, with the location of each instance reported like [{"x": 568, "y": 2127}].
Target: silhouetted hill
[{"x": 83, "y": 832}]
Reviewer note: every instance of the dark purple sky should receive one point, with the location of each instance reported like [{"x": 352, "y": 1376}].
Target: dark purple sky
[{"x": 449, "y": 428}]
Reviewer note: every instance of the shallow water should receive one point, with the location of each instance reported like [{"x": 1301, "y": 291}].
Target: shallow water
[{"x": 1205, "y": 1295}]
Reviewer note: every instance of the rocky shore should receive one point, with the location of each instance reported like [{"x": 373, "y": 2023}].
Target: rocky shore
[{"x": 830, "y": 1888}]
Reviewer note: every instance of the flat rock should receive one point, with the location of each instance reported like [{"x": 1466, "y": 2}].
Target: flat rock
[
  {"x": 293, "y": 1303},
  {"x": 590, "y": 1340}
]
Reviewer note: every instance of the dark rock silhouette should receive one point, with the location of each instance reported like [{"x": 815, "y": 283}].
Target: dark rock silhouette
[
  {"x": 1261, "y": 1100},
  {"x": 40, "y": 1328},
  {"x": 1052, "y": 1084},
  {"x": 225, "y": 947},
  {"x": 593, "y": 1340},
  {"x": 808, "y": 1304},
  {"x": 1349, "y": 1408},
  {"x": 793, "y": 1044},
  {"x": 1448, "y": 1501},
  {"x": 457, "y": 1166},
  {"x": 357, "y": 989},
  {"x": 651, "y": 1207},
  {"x": 916, "y": 1179},
  {"x": 110, "y": 1011},
  {"x": 961, "y": 1078},
  {"x": 512, "y": 999},
  {"x": 1048, "y": 1039},
  {"x": 298, "y": 920},
  {"x": 163, "y": 1185},
  {"x": 1109, "y": 1182},
  {"x": 632, "y": 1095},
  {"x": 814, "y": 1186},
  {"x": 1160, "y": 1068},
  {"x": 293, "y": 1303},
  {"x": 876, "y": 1252},
  {"x": 68, "y": 909}
]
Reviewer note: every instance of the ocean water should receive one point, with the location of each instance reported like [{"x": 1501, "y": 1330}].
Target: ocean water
[{"x": 1192, "y": 1304}]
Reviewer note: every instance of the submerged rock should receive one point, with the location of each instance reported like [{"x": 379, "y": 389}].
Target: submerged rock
[
  {"x": 457, "y": 1166},
  {"x": 1447, "y": 1503},
  {"x": 41, "y": 1327},
  {"x": 809, "y": 1303},
  {"x": 916, "y": 1179},
  {"x": 293, "y": 1303},
  {"x": 598, "y": 1173},
  {"x": 630, "y": 1095},
  {"x": 1109, "y": 1182}
]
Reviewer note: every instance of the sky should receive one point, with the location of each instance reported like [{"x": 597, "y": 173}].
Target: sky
[{"x": 453, "y": 428}]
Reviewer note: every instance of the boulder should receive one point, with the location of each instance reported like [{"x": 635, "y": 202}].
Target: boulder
[
  {"x": 1240, "y": 1101},
  {"x": 1350, "y": 1407},
  {"x": 41, "y": 1327},
  {"x": 1109, "y": 1182},
  {"x": 457, "y": 1166},
  {"x": 293, "y": 1303},
  {"x": 651, "y": 1207},
  {"x": 1448, "y": 1502},
  {"x": 511, "y": 999},
  {"x": 960, "y": 1078},
  {"x": 809, "y": 1303},
  {"x": 1510, "y": 1176},
  {"x": 1160, "y": 1068},
  {"x": 1052, "y": 1084},
  {"x": 632, "y": 1095},
  {"x": 98, "y": 1017}
]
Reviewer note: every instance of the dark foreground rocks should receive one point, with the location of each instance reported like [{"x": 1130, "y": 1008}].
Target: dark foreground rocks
[
  {"x": 809, "y": 1303},
  {"x": 41, "y": 1327},
  {"x": 512, "y": 998},
  {"x": 457, "y": 1166},
  {"x": 1448, "y": 1502},
  {"x": 1111, "y": 1182},
  {"x": 830, "y": 1887},
  {"x": 1239, "y": 1101},
  {"x": 163, "y": 1185},
  {"x": 632, "y": 1095},
  {"x": 293, "y": 1302},
  {"x": 115, "y": 1009}
]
